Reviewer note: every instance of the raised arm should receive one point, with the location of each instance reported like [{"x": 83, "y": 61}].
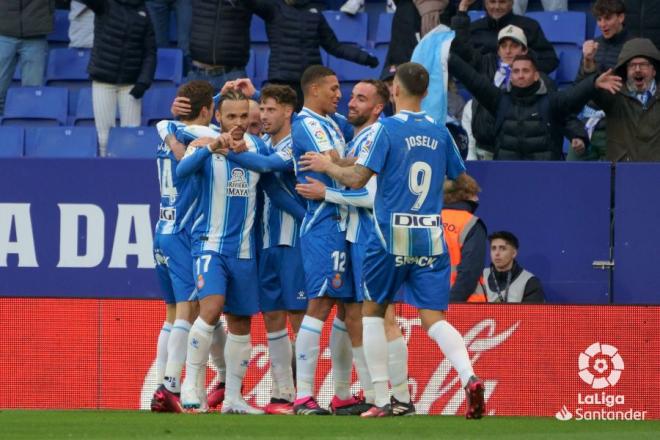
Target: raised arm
[
  {"x": 481, "y": 87},
  {"x": 349, "y": 52},
  {"x": 260, "y": 163},
  {"x": 192, "y": 161},
  {"x": 167, "y": 132}
]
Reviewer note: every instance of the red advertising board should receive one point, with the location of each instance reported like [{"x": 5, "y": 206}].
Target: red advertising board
[{"x": 580, "y": 362}]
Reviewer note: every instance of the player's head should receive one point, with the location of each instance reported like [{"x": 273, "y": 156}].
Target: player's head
[
  {"x": 200, "y": 95},
  {"x": 368, "y": 99},
  {"x": 524, "y": 72},
  {"x": 411, "y": 80},
  {"x": 610, "y": 15},
  {"x": 233, "y": 110},
  {"x": 321, "y": 89},
  {"x": 277, "y": 105},
  {"x": 503, "y": 249},
  {"x": 254, "y": 119},
  {"x": 465, "y": 189}
]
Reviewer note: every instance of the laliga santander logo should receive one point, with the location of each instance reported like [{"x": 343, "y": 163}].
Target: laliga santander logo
[{"x": 600, "y": 365}]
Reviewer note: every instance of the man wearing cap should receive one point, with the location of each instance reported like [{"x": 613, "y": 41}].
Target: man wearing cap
[
  {"x": 499, "y": 15},
  {"x": 633, "y": 114},
  {"x": 529, "y": 118},
  {"x": 497, "y": 67}
]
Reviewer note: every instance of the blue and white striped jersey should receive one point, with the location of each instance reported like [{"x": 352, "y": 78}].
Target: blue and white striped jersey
[
  {"x": 411, "y": 155},
  {"x": 227, "y": 206},
  {"x": 360, "y": 202},
  {"x": 178, "y": 196},
  {"x": 313, "y": 132},
  {"x": 279, "y": 227}
]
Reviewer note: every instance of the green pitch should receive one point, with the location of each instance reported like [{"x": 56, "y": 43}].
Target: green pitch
[{"x": 16, "y": 425}]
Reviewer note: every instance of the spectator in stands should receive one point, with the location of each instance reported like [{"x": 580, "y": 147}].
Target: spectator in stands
[
  {"x": 520, "y": 6},
  {"x": 219, "y": 41},
  {"x": 122, "y": 64},
  {"x": 465, "y": 234},
  {"x": 598, "y": 55},
  {"x": 81, "y": 26},
  {"x": 24, "y": 25},
  {"x": 295, "y": 35},
  {"x": 643, "y": 19},
  {"x": 499, "y": 15},
  {"x": 529, "y": 119},
  {"x": 506, "y": 280},
  {"x": 633, "y": 115},
  {"x": 159, "y": 11}
]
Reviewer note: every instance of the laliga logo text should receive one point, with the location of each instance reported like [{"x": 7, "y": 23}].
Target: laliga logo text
[{"x": 600, "y": 366}]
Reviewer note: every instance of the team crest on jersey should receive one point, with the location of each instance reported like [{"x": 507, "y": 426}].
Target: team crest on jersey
[
  {"x": 200, "y": 282},
  {"x": 337, "y": 282},
  {"x": 238, "y": 185}
]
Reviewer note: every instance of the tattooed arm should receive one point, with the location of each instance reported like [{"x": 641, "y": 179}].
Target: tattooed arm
[{"x": 354, "y": 176}]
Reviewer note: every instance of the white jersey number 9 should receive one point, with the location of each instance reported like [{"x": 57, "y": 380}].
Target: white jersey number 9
[{"x": 419, "y": 181}]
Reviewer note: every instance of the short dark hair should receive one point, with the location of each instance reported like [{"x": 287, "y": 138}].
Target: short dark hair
[
  {"x": 231, "y": 95},
  {"x": 313, "y": 74},
  {"x": 413, "y": 77},
  {"x": 200, "y": 94},
  {"x": 282, "y": 94},
  {"x": 382, "y": 90},
  {"x": 506, "y": 236},
  {"x": 526, "y": 57},
  {"x": 607, "y": 7}
]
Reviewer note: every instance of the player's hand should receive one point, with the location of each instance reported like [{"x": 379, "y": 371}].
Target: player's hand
[
  {"x": 236, "y": 142},
  {"x": 578, "y": 146},
  {"x": 315, "y": 162},
  {"x": 229, "y": 85},
  {"x": 609, "y": 81},
  {"x": 201, "y": 142},
  {"x": 314, "y": 190},
  {"x": 245, "y": 85},
  {"x": 180, "y": 106}
]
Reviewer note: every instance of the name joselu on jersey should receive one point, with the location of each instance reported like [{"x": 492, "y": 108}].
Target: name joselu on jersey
[{"x": 421, "y": 141}]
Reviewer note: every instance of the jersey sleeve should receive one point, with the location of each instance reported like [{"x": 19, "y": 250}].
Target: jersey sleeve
[
  {"x": 375, "y": 149},
  {"x": 314, "y": 136},
  {"x": 167, "y": 127},
  {"x": 455, "y": 164}
]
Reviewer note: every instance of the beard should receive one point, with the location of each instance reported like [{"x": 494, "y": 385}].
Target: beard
[{"x": 357, "y": 120}]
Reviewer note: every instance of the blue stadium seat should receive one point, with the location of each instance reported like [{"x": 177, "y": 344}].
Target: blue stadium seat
[
  {"x": 156, "y": 104},
  {"x": 61, "y": 142},
  {"x": 346, "y": 89},
  {"x": 11, "y": 141},
  {"x": 36, "y": 106},
  {"x": 169, "y": 67},
  {"x": 349, "y": 29},
  {"x": 384, "y": 28},
  {"x": 68, "y": 67},
  {"x": 133, "y": 142},
  {"x": 84, "y": 110},
  {"x": 349, "y": 71},
  {"x": 60, "y": 34},
  {"x": 258, "y": 30},
  {"x": 476, "y": 15},
  {"x": 562, "y": 27},
  {"x": 569, "y": 64}
]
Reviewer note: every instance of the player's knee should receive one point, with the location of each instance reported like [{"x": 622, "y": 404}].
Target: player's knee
[
  {"x": 238, "y": 325},
  {"x": 430, "y": 317},
  {"x": 373, "y": 309},
  {"x": 319, "y": 308},
  {"x": 274, "y": 321}
]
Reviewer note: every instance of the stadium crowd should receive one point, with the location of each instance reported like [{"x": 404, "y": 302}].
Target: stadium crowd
[{"x": 269, "y": 183}]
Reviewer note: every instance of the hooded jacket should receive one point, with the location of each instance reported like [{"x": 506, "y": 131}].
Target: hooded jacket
[
  {"x": 124, "y": 50},
  {"x": 633, "y": 130},
  {"x": 26, "y": 18},
  {"x": 295, "y": 35},
  {"x": 484, "y": 37}
]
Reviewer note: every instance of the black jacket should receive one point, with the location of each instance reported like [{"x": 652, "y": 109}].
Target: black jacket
[
  {"x": 26, "y": 18},
  {"x": 607, "y": 54},
  {"x": 220, "y": 33},
  {"x": 295, "y": 35},
  {"x": 528, "y": 121},
  {"x": 484, "y": 37},
  {"x": 124, "y": 50},
  {"x": 473, "y": 255},
  {"x": 643, "y": 19}
]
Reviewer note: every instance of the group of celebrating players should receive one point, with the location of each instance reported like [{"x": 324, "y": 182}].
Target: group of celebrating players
[{"x": 350, "y": 215}]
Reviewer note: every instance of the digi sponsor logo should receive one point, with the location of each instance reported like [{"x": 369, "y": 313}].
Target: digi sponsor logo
[
  {"x": 416, "y": 221},
  {"x": 600, "y": 366},
  {"x": 168, "y": 214}
]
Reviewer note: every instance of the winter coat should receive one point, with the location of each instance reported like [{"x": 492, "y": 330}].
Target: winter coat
[
  {"x": 26, "y": 18},
  {"x": 643, "y": 19}
]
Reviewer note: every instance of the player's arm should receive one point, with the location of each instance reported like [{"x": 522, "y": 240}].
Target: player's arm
[
  {"x": 197, "y": 154},
  {"x": 317, "y": 190},
  {"x": 280, "y": 197},
  {"x": 260, "y": 163},
  {"x": 355, "y": 176},
  {"x": 167, "y": 132}
]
